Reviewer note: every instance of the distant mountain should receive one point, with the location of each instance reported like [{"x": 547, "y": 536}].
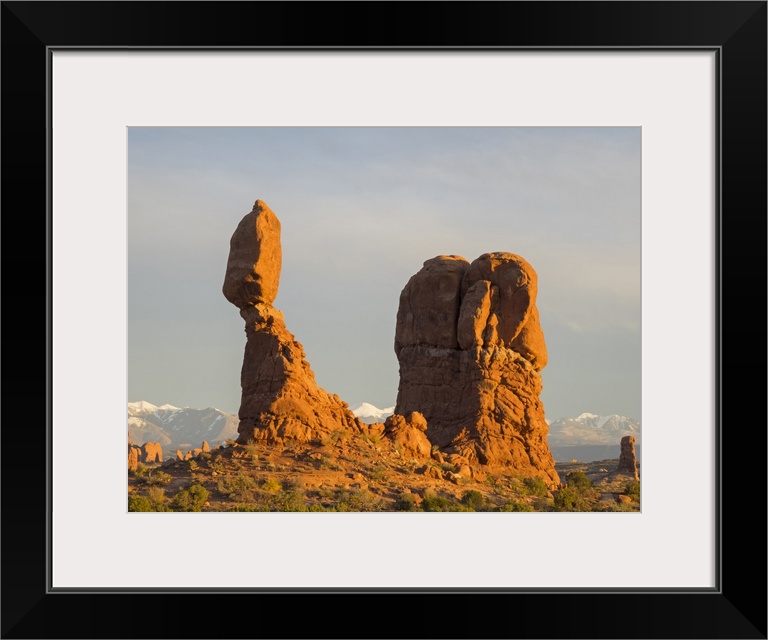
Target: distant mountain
[
  {"x": 179, "y": 428},
  {"x": 591, "y": 429},
  {"x": 370, "y": 414}
]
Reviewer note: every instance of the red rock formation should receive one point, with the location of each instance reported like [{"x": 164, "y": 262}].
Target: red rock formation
[
  {"x": 206, "y": 447},
  {"x": 151, "y": 452},
  {"x": 627, "y": 458},
  {"x": 280, "y": 398},
  {"x": 470, "y": 349},
  {"x": 133, "y": 456},
  {"x": 407, "y": 433},
  {"x": 179, "y": 455}
]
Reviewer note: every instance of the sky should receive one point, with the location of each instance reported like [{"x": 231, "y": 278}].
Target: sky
[{"x": 361, "y": 210}]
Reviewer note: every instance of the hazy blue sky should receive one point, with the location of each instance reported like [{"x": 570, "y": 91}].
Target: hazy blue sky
[{"x": 361, "y": 209}]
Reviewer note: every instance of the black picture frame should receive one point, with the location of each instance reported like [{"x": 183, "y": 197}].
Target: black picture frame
[{"x": 736, "y": 608}]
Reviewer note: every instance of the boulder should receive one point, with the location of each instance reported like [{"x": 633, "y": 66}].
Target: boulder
[
  {"x": 470, "y": 359},
  {"x": 408, "y": 434},
  {"x": 280, "y": 398},
  {"x": 255, "y": 259}
]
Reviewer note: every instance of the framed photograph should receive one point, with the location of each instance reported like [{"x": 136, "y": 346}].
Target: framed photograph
[{"x": 96, "y": 93}]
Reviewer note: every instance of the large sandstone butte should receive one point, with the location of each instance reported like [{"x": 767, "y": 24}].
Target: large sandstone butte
[
  {"x": 470, "y": 349},
  {"x": 280, "y": 398}
]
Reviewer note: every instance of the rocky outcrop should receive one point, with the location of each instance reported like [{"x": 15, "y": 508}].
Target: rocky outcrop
[
  {"x": 179, "y": 455},
  {"x": 151, "y": 452},
  {"x": 627, "y": 458},
  {"x": 407, "y": 434},
  {"x": 206, "y": 448},
  {"x": 280, "y": 398},
  {"x": 470, "y": 349},
  {"x": 134, "y": 454}
]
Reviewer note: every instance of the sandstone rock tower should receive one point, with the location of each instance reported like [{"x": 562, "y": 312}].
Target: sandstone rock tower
[
  {"x": 627, "y": 458},
  {"x": 280, "y": 398},
  {"x": 470, "y": 349}
]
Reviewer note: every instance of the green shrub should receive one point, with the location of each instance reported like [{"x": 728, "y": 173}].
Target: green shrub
[
  {"x": 271, "y": 485},
  {"x": 292, "y": 500},
  {"x": 239, "y": 487},
  {"x": 632, "y": 489},
  {"x": 357, "y": 500},
  {"x": 569, "y": 499},
  {"x": 432, "y": 502},
  {"x": 578, "y": 480},
  {"x": 152, "y": 477},
  {"x": 192, "y": 498},
  {"x": 217, "y": 464},
  {"x": 406, "y": 501},
  {"x": 139, "y": 503},
  {"x": 158, "y": 499},
  {"x": 534, "y": 487},
  {"x": 512, "y": 505},
  {"x": 378, "y": 473},
  {"x": 248, "y": 507},
  {"x": 473, "y": 499}
]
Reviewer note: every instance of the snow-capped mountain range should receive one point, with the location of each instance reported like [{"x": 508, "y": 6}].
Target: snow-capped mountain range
[
  {"x": 179, "y": 428},
  {"x": 370, "y": 414},
  {"x": 591, "y": 429},
  {"x": 185, "y": 428},
  {"x": 586, "y": 429}
]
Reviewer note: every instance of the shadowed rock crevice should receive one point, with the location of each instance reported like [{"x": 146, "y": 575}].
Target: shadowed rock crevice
[{"x": 470, "y": 349}]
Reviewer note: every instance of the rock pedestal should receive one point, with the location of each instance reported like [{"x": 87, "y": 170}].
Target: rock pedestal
[
  {"x": 280, "y": 398},
  {"x": 470, "y": 349}
]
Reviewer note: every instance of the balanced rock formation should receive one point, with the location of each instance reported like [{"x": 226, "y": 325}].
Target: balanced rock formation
[
  {"x": 470, "y": 349},
  {"x": 627, "y": 458},
  {"x": 280, "y": 398},
  {"x": 151, "y": 452},
  {"x": 407, "y": 433}
]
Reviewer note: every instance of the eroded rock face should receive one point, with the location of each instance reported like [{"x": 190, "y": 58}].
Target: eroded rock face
[
  {"x": 280, "y": 398},
  {"x": 429, "y": 304},
  {"x": 476, "y": 382},
  {"x": 627, "y": 458}
]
